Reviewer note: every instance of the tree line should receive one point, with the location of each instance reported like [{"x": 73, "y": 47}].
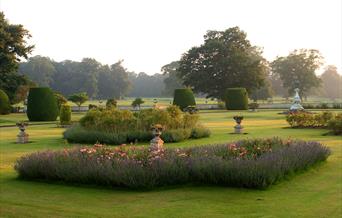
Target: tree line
[{"x": 226, "y": 59}]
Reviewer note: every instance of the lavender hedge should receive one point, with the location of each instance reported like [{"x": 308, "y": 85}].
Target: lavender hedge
[{"x": 256, "y": 163}]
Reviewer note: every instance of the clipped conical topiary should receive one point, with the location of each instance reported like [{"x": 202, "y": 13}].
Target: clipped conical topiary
[
  {"x": 5, "y": 106},
  {"x": 236, "y": 99},
  {"x": 41, "y": 105},
  {"x": 183, "y": 98}
]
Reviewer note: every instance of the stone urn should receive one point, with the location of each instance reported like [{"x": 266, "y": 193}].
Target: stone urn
[
  {"x": 22, "y": 136},
  {"x": 238, "y": 128},
  {"x": 156, "y": 143}
]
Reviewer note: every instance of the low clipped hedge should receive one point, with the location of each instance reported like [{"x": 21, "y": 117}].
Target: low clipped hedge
[
  {"x": 256, "y": 163},
  {"x": 184, "y": 98},
  {"x": 5, "y": 106},
  {"x": 236, "y": 99},
  {"x": 78, "y": 134},
  {"x": 42, "y": 105}
]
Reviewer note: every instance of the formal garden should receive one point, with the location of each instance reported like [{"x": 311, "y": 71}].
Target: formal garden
[
  {"x": 104, "y": 158},
  {"x": 219, "y": 132}
]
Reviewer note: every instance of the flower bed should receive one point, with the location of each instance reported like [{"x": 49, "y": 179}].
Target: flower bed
[
  {"x": 255, "y": 163},
  {"x": 115, "y": 127}
]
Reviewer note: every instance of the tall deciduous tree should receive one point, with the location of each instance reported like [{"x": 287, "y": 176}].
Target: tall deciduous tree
[
  {"x": 13, "y": 46},
  {"x": 172, "y": 81},
  {"x": 113, "y": 81},
  {"x": 226, "y": 59},
  {"x": 332, "y": 82},
  {"x": 297, "y": 70}
]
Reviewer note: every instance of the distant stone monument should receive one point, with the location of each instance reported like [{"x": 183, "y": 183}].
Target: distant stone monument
[
  {"x": 296, "y": 106},
  {"x": 22, "y": 136},
  {"x": 156, "y": 143}
]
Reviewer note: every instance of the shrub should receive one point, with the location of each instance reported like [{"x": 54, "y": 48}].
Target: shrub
[
  {"x": 78, "y": 99},
  {"x": 65, "y": 114},
  {"x": 137, "y": 102},
  {"x": 78, "y": 134},
  {"x": 5, "y": 106},
  {"x": 200, "y": 132},
  {"x": 322, "y": 106},
  {"x": 255, "y": 163},
  {"x": 236, "y": 99},
  {"x": 309, "y": 120},
  {"x": 60, "y": 99},
  {"x": 253, "y": 106},
  {"x": 337, "y": 105},
  {"x": 92, "y": 106},
  {"x": 335, "y": 124},
  {"x": 183, "y": 98},
  {"x": 41, "y": 105},
  {"x": 111, "y": 103}
]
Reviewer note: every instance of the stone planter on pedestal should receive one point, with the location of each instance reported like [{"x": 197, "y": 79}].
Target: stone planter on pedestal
[
  {"x": 238, "y": 128},
  {"x": 157, "y": 143},
  {"x": 22, "y": 136}
]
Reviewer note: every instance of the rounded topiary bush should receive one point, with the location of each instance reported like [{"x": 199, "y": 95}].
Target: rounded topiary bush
[
  {"x": 5, "y": 106},
  {"x": 41, "y": 105},
  {"x": 236, "y": 99},
  {"x": 183, "y": 98}
]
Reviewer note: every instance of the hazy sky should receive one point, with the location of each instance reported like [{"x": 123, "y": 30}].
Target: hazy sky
[{"x": 148, "y": 34}]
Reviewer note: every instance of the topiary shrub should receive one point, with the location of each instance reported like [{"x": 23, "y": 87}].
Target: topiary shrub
[
  {"x": 236, "y": 99},
  {"x": 41, "y": 105},
  {"x": 335, "y": 124},
  {"x": 183, "y": 98},
  {"x": 65, "y": 114},
  {"x": 5, "y": 106}
]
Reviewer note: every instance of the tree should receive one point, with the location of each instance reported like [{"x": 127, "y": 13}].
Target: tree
[
  {"x": 172, "y": 81},
  {"x": 297, "y": 70},
  {"x": 13, "y": 46},
  {"x": 78, "y": 99},
  {"x": 262, "y": 93},
  {"x": 145, "y": 85},
  {"x": 225, "y": 60},
  {"x": 332, "y": 82},
  {"x": 137, "y": 102},
  {"x": 60, "y": 100},
  {"x": 38, "y": 69},
  {"x": 113, "y": 81}
]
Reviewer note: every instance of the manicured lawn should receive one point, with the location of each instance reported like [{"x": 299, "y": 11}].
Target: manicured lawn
[{"x": 315, "y": 193}]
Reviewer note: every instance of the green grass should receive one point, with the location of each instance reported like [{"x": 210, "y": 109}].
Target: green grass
[{"x": 315, "y": 193}]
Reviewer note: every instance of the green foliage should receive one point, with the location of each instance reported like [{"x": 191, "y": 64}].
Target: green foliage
[
  {"x": 248, "y": 163},
  {"x": 41, "y": 105},
  {"x": 253, "y": 105},
  {"x": 111, "y": 103},
  {"x": 309, "y": 120},
  {"x": 112, "y": 126},
  {"x": 200, "y": 132},
  {"x": 65, "y": 114},
  {"x": 335, "y": 124},
  {"x": 183, "y": 98},
  {"x": 78, "y": 98},
  {"x": 297, "y": 70},
  {"x": 225, "y": 60},
  {"x": 137, "y": 102},
  {"x": 236, "y": 99},
  {"x": 13, "y": 46},
  {"x": 5, "y": 106},
  {"x": 332, "y": 83},
  {"x": 60, "y": 99},
  {"x": 38, "y": 69},
  {"x": 172, "y": 81}
]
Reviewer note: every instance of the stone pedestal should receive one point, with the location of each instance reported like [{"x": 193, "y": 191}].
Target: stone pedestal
[
  {"x": 238, "y": 129},
  {"x": 22, "y": 138},
  {"x": 156, "y": 143}
]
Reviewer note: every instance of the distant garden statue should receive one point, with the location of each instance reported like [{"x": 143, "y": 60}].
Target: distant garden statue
[
  {"x": 296, "y": 106},
  {"x": 238, "y": 128},
  {"x": 22, "y": 136},
  {"x": 157, "y": 143}
]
